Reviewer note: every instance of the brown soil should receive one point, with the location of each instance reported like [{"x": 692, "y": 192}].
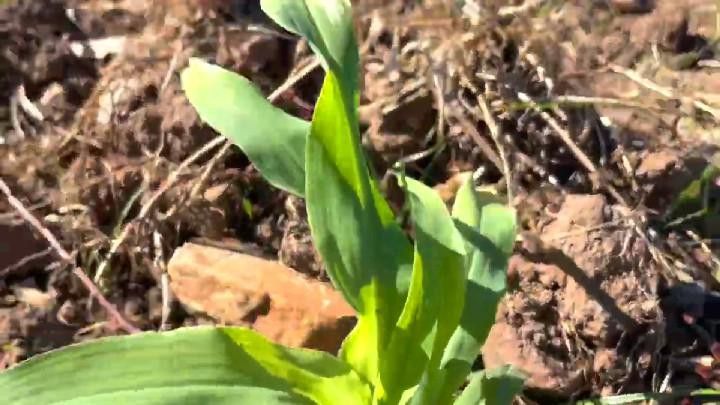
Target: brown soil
[{"x": 582, "y": 315}]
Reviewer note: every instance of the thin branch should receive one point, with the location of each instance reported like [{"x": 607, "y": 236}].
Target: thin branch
[
  {"x": 666, "y": 92},
  {"x": 27, "y": 105},
  {"x": 145, "y": 210},
  {"x": 581, "y": 156},
  {"x": 67, "y": 258},
  {"x": 15, "y": 117},
  {"x": 495, "y": 134}
]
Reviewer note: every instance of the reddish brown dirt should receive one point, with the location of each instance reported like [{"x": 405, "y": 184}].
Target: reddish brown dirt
[
  {"x": 581, "y": 316},
  {"x": 578, "y": 302}
]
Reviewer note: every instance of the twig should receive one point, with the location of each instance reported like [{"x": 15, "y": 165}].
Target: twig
[
  {"x": 495, "y": 134},
  {"x": 581, "y": 156},
  {"x": 294, "y": 78},
  {"x": 175, "y": 174},
  {"x": 15, "y": 117},
  {"x": 171, "y": 69},
  {"x": 66, "y": 257},
  {"x": 484, "y": 145},
  {"x": 608, "y": 101},
  {"x": 165, "y": 296},
  {"x": 664, "y": 91},
  {"x": 145, "y": 210},
  {"x": 25, "y": 260},
  {"x": 709, "y": 63},
  {"x": 522, "y": 8},
  {"x": 11, "y": 218},
  {"x": 27, "y": 105},
  {"x": 439, "y": 85},
  {"x": 208, "y": 169}
]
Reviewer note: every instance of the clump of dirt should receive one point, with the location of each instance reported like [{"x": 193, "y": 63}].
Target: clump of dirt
[
  {"x": 576, "y": 302},
  {"x": 296, "y": 248}
]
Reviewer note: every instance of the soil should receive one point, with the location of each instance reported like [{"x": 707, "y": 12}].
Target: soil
[{"x": 605, "y": 111}]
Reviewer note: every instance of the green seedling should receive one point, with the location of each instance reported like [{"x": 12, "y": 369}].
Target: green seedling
[
  {"x": 698, "y": 205},
  {"x": 424, "y": 308}
]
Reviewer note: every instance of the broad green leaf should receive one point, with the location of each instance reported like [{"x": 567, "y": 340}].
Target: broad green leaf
[
  {"x": 488, "y": 228},
  {"x": 272, "y": 139},
  {"x": 365, "y": 251},
  {"x": 190, "y": 395},
  {"x": 435, "y": 300},
  {"x": 353, "y": 229},
  {"x": 492, "y": 387},
  {"x": 327, "y": 25},
  {"x": 190, "y": 366}
]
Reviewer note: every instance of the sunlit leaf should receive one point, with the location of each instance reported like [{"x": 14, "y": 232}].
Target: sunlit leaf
[
  {"x": 353, "y": 228},
  {"x": 328, "y": 28},
  {"x": 272, "y": 139},
  {"x": 492, "y": 387},
  {"x": 488, "y": 228},
  {"x": 435, "y": 300},
  {"x": 190, "y": 366},
  {"x": 362, "y": 252}
]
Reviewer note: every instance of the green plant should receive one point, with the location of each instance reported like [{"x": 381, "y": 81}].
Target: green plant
[{"x": 424, "y": 310}]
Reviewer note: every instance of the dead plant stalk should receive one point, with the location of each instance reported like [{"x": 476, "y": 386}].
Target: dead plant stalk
[{"x": 67, "y": 258}]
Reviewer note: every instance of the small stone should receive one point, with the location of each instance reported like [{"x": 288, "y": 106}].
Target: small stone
[
  {"x": 35, "y": 298},
  {"x": 241, "y": 289},
  {"x": 657, "y": 162}
]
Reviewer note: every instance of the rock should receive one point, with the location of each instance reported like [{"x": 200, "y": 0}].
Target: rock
[
  {"x": 573, "y": 231},
  {"x": 664, "y": 173},
  {"x": 240, "y": 289},
  {"x": 610, "y": 276},
  {"x": 580, "y": 283},
  {"x": 656, "y": 163}
]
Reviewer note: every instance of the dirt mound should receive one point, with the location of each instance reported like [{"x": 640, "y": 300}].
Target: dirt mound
[{"x": 577, "y": 302}]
